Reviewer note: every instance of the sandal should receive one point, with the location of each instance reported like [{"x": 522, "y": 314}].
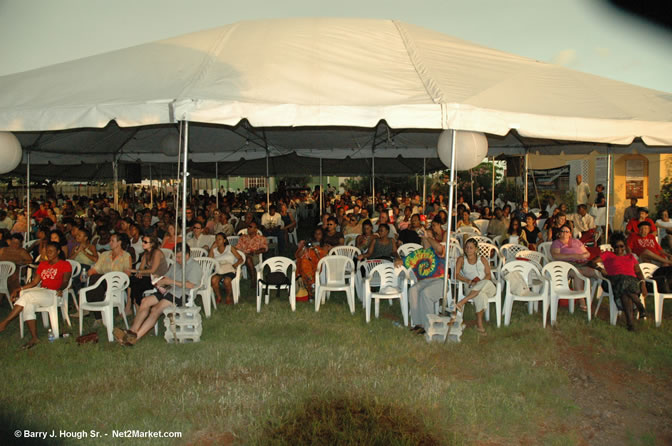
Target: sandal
[
  {"x": 583, "y": 307},
  {"x": 481, "y": 331},
  {"x": 29, "y": 345}
]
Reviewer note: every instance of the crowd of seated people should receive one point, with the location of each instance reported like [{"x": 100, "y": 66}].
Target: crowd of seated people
[{"x": 90, "y": 231}]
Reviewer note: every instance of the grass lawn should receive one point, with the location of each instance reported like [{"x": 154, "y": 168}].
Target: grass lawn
[{"x": 279, "y": 377}]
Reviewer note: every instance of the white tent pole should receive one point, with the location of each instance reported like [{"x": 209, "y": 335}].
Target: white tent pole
[
  {"x": 115, "y": 168},
  {"x": 526, "y": 169},
  {"x": 492, "y": 204},
  {"x": 28, "y": 197},
  {"x": 451, "y": 188},
  {"x": 373, "y": 182},
  {"x": 606, "y": 215},
  {"x": 184, "y": 210},
  {"x": 424, "y": 185},
  {"x": 268, "y": 186},
  {"x": 151, "y": 187},
  {"x": 471, "y": 177},
  {"x": 321, "y": 188},
  {"x": 217, "y": 178}
]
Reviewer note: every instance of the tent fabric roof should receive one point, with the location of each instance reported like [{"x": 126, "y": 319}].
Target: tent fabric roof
[{"x": 332, "y": 72}]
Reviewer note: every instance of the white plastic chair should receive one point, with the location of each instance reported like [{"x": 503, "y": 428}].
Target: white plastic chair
[
  {"x": 235, "y": 283},
  {"x": 473, "y": 216},
  {"x": 277, "y": 264},
  {"x": 208, "y": 265},
  {"x": 117, "y": 283},
  {"x": 613, "y": 309},
  {"x": 658, "y": 298},
  {"x": 168, "y": 253},
  {"x": 533, "y": 256},
  {"x": 6, "y": 270},
  {"x": 198, "y": 252},
  {"x": 350, "y": 239},
  {"x": 510, "y": 251},
  {"x": 50, "y": 312},
  {"x": 467, "y": 230},
  {"x": 545, "y": 249},
  {"x": 233, "y": 239},
  {"x": 482, "y": 225},
  {"x": 363, "y": 271},
  {"x": 242, "y": 232},
  {"x": 331, "y": 275},
  {"x": 606, "y": 247},
  {"x": 292, "y": 236},
  {"x": 480, "y": 239},
  {"x": 408, "y": 248},
  {"x": 558, "y": 273},
  {"x": 76, "y": 271},
  {"x": 389, "y": 288},
  {"x": 272, "y": 242},
  {"x": 348, "y": 251},
  {"x": 496, "y": 299},
  {"x": 497, "y": 241},
  {"x": 539, "y": 291}
]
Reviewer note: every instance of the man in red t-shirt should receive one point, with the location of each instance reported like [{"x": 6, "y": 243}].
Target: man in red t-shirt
[
  {"x": 633, "y": 225},
  {"x": 646, "y": 247}
]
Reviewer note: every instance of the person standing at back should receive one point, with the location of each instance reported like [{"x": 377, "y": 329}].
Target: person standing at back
[{"x": 582, "y": 191}]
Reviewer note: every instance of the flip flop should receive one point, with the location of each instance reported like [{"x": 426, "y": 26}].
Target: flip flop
[
  {"x": 481, "y": 331},
  {"x": 29, "y": 345}
]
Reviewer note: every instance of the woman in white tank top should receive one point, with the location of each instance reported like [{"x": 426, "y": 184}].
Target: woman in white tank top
[
  {"x": 475, "y": 272},
  {"x": 228, "y": 259}
]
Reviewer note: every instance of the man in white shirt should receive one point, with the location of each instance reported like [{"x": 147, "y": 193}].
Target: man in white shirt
[
  {"x": 582, "y": 191},
  {"x": 550, "y": 207},
  {"x": 583, "y": 221},
  {"x": 197, "y": 239},
  {"x": 271, "y": 220}
]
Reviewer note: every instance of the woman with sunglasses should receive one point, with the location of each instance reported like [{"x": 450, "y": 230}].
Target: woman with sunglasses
[
  {"x": 571, "y": 250},
  {"x": 627, "y": 280},
  {"x": 228, "y": 259},
  {"x": 152, "y": 263}
]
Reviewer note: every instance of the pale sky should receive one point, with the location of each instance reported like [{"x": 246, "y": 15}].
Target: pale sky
[{"x": 585, "y": 35}]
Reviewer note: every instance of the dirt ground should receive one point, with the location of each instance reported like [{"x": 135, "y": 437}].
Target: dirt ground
[{"x": 618, "y": 405}]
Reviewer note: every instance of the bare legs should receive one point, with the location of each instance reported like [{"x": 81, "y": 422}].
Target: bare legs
[
  {"x": 32, "y": 325},
  {"x": 149, "y": 312},
  {"x": 226, "y": 281},
  {"x": 479, "y": 314}
]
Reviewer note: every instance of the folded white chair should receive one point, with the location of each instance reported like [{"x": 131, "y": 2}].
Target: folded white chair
[{"x": 526, "y": 271}]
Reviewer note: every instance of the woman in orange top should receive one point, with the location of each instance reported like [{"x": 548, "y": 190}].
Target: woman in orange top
[{"x": 308, "y": 255}]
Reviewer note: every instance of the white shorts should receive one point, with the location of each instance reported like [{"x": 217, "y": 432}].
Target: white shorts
[{"x": 35, "y": 297}]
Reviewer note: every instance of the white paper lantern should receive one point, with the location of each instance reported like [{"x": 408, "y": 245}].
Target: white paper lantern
[
  {"x": 470, "y": 148},
  {"x": 170, "y": 144},
  {"x": 10, "y": 152}
]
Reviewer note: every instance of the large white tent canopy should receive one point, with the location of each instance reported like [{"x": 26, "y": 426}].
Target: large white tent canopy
[{"x": 329, "y": 72}]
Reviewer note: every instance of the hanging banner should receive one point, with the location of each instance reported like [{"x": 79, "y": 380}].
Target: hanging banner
[
  {"x": 556, "y": 179},
  {"x": 634, "y": 179}
]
